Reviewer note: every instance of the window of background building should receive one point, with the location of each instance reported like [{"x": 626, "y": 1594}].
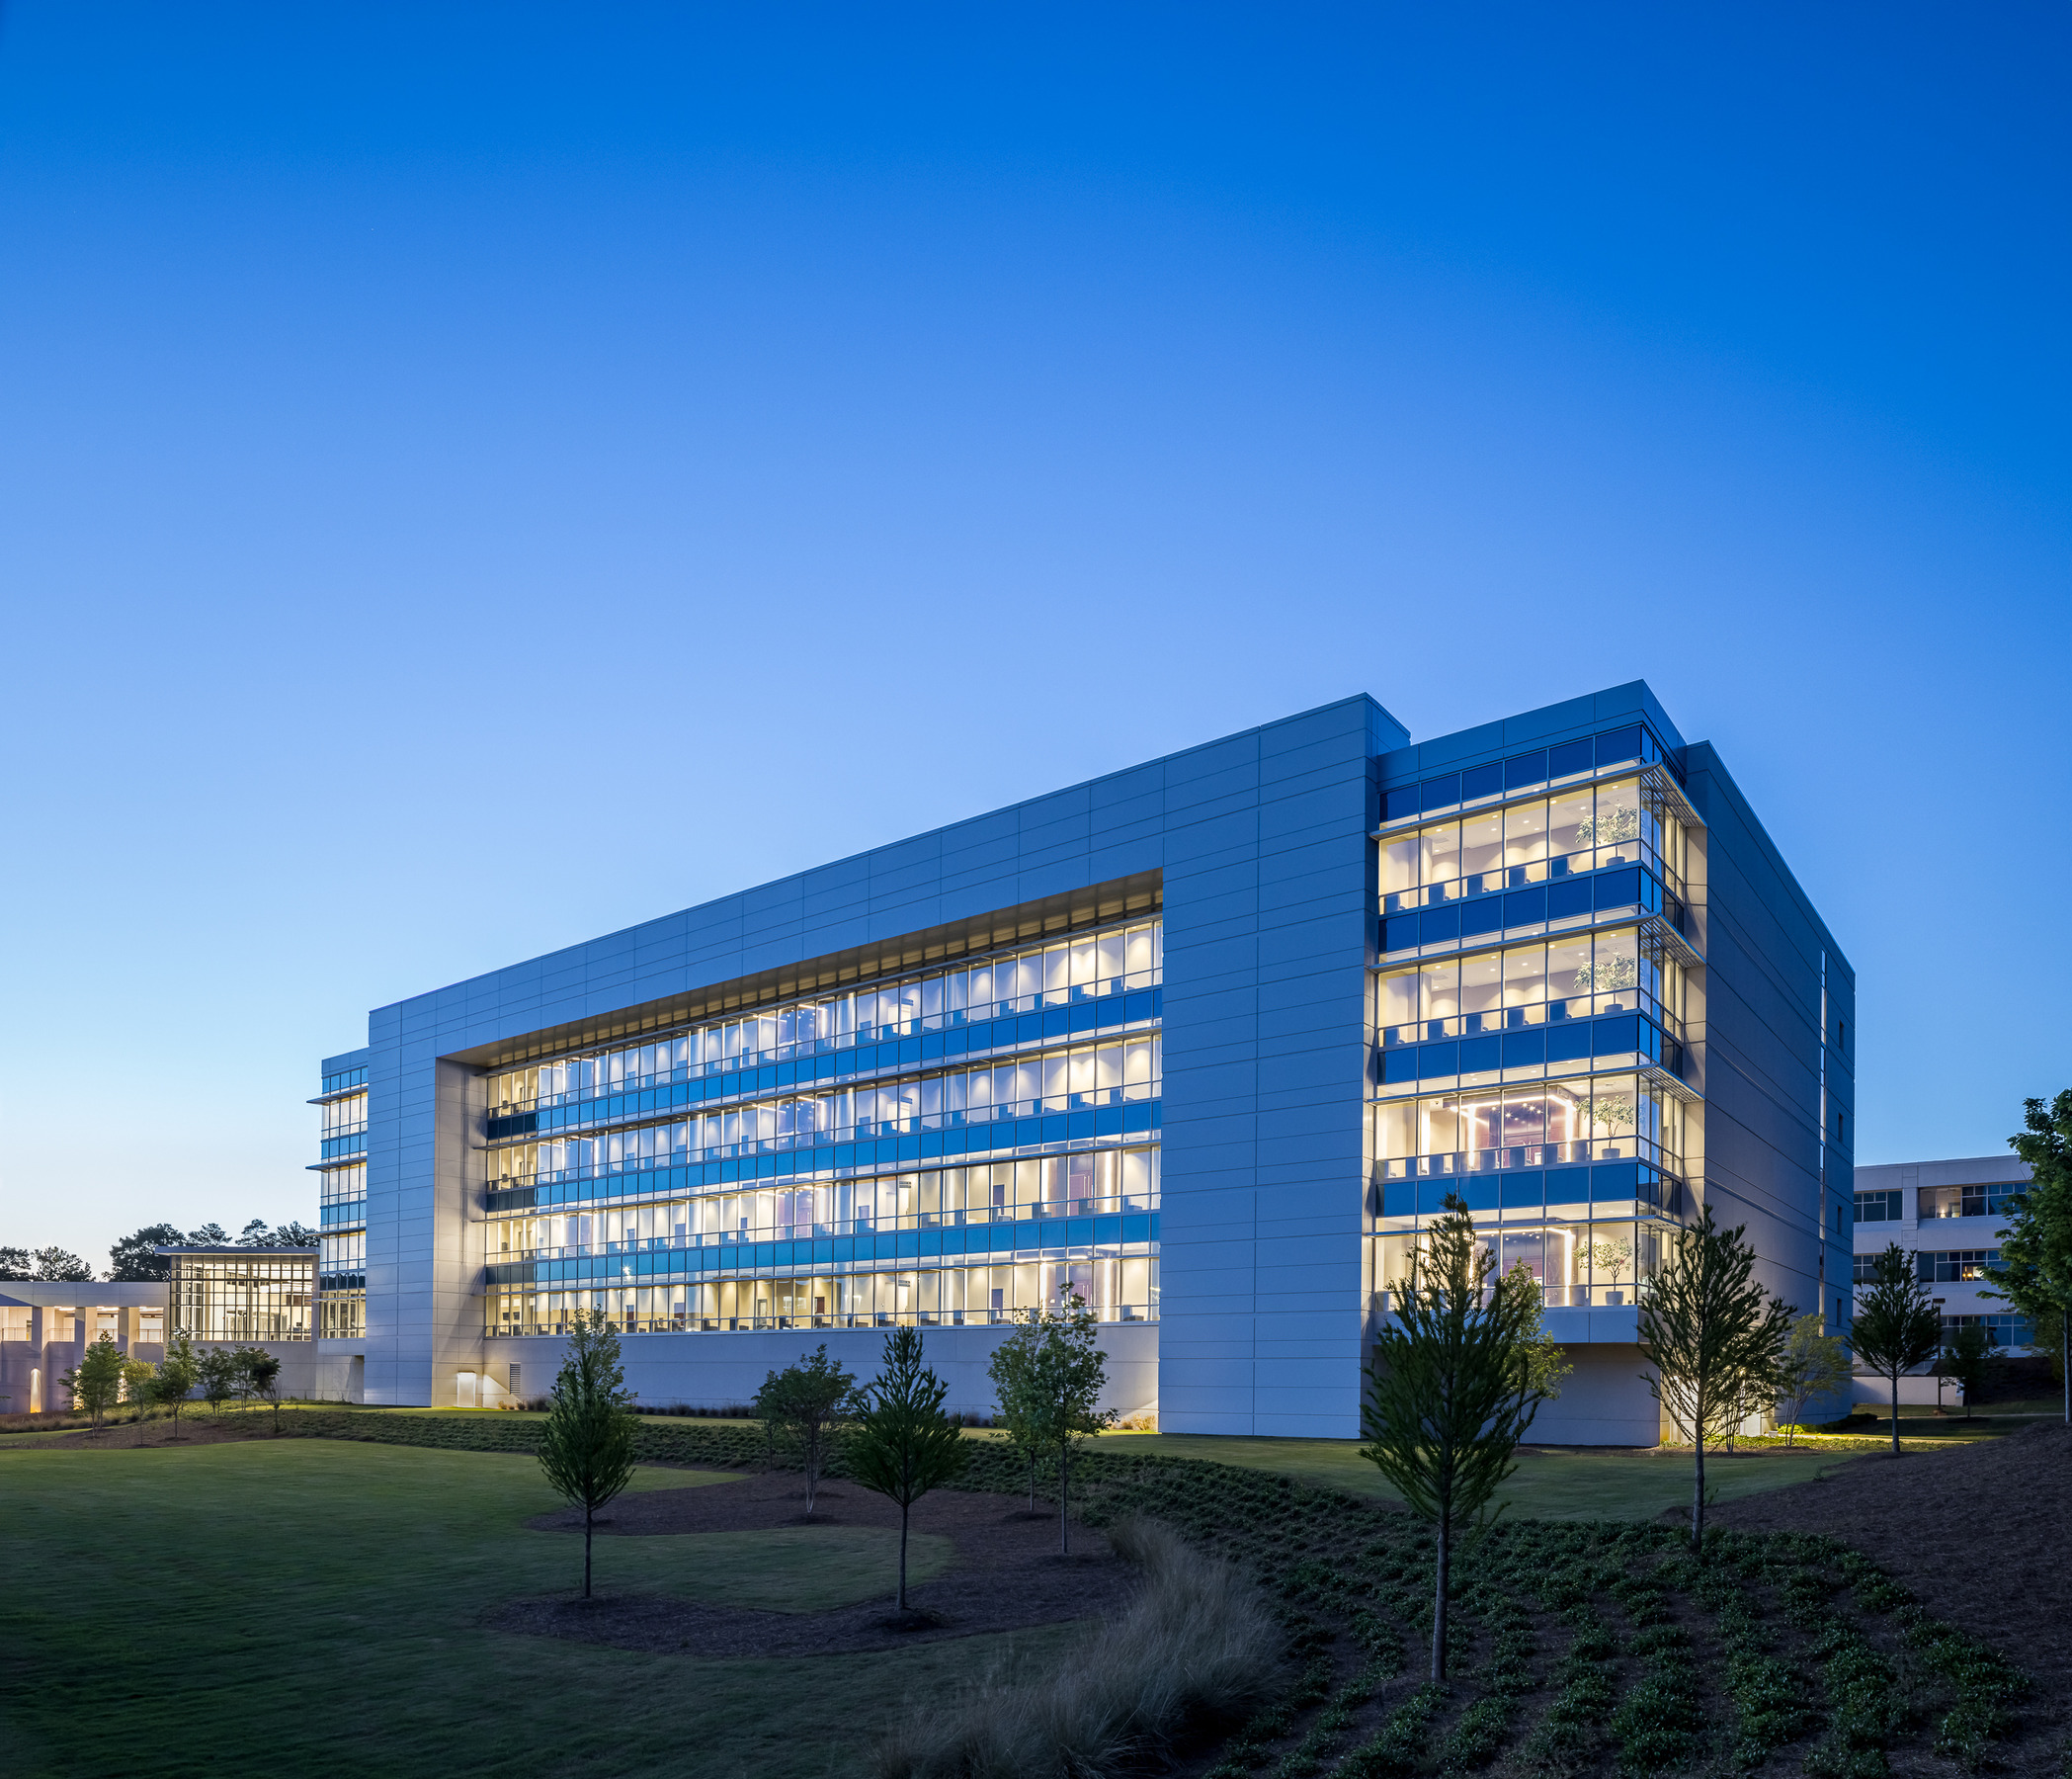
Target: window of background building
[
  {"x": 1878, "y": 1207},
  {"x": 1954, "y": 1266},
  {"x": 1979, "y": 1199}
]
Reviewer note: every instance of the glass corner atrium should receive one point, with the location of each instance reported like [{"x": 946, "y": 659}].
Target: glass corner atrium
[
  {"x": 1530, "y": 1016},
  {"x": 242, "y": 1294},
  {"x": 944, "y": 1149}
]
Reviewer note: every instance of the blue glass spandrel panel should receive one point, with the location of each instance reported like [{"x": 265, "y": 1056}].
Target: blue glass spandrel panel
[
  {"x": 1522, "y": 1189},
  {"x": 1567, "y": 1185},
  {"x": 1485, "y": 915},
  {"x": 1614, "y": 889},
  {"x": 1399, "y": 1066},
  {"x": 1439, "y": 793},
  {"x": 1568, "y": 900},
  {"x": 1568, "y": 1043},
  {"x": 1400, "y": 804},
  {"x": 1399, "y": 1197},
  {"x": 1616, "y": 746},
  {"x": 1399, "y": 932},
  {"x": 1479, "y": 1054},
  {"x": 1522, "y": 1049},
  {"x": 1479, "y": 782},
  {"x": 1614, "y": 1037},
  {"x": 1523, "y": 771},
  {"x": 1571, "y": 758},
  {"x": 1434, "y": 1059},
  {"x": 1439, "y": 926},
  {"x": 1480, "y": 1190},
  {"x": 1432, "y": 1196},
  {"x": 1524, "y": 907},
  {"x": 1615, "y": 1180}
]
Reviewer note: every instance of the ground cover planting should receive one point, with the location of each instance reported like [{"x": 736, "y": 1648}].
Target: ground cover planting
[{"x": 1575, "y": 1645}]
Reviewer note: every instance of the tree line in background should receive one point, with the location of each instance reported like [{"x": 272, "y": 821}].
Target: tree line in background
[{"x": 133, "y": 1259}]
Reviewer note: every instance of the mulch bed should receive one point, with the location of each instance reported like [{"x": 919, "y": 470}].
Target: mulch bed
[
  {"x": 1007, "y": 1573},
  {"x": 1978, "y": 1532}
]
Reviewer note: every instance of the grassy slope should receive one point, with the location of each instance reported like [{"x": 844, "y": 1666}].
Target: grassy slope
[
  {"x": 1557, "y": 1486},
  {"x": 313, "y": 1604}
]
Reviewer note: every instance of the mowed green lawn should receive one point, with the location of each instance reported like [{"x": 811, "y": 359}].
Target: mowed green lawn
[
  {"x": 1548, "y": 1484},
  {"x": 314, "y": 1606}
]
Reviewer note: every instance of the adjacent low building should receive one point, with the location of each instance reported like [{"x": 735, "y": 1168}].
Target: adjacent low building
[
  {"x": 1947, "y": 1218},
  {"x": 216, "y": 1296},
  {"x": 1206, "y": 1043},
  {"x": 45, "y": 1328}
]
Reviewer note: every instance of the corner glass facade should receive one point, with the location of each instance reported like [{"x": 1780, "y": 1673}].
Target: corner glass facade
[
  {"x": 1540, "y": 1081},
  {"x": 243, "y": 1295}
]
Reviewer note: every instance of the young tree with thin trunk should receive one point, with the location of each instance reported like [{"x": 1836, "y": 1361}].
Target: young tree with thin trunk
[
  {"x": 586, "y": 1446},
  {"x": 96, "y": 1382},
  {"x": 1713, "y": 1337},
  {"x": 176, "y": 1376},
  {"x": 1814, "y": 1364},
  {"x": 1452, "y": 1390},
  {"x": 220, "y": 1374},
  {"x": 251, "y": 1361},
  {"x": 1896, "y": 1327},
  {"x": 1068, "y": 1377},
  {"x": 138, "y": 1375},
  {"x": 809, "y": 1406},
  {"x": 1968, "y": 1361},
  {"x": 1017, "y": 1394},
  {"x": 2034, "y": 1273},
  {"x": 904, "y": 1445},
  {"x": 263, "y": 1377}
]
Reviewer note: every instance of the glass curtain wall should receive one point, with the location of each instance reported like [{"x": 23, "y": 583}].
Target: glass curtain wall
[
  {"x": 1562, "y": 835},
  {"x": 1084, "y": 1183},
  {"x": 1085, "y": 1078},
  {"x": 1059, "y": 975},
  {"x": 1100, "y": 1167},
  {"x": 1525, "y": 986},
  {"x": 1593, "y": 1118},
  {"x": 1117, "y": 1286},
  {"x": 1600, "y": 1263},
  {"x": 243, "y": 1298}
]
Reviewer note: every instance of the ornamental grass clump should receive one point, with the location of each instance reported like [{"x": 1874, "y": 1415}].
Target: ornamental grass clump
[{"x": 1196, "y": 1641}]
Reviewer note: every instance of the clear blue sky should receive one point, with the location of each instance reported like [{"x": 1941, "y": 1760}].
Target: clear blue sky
[{"x": 472, "y": 478}]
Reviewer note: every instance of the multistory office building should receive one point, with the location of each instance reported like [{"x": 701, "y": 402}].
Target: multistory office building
[
  {"x": 1207, "y": 1041},
  {"x": 1947, "y": 1218}
]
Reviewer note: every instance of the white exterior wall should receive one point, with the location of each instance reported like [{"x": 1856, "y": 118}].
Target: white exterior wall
[
  {"x": 717, "y": 1371},
  {"x": 1938, "y": 1233}
]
